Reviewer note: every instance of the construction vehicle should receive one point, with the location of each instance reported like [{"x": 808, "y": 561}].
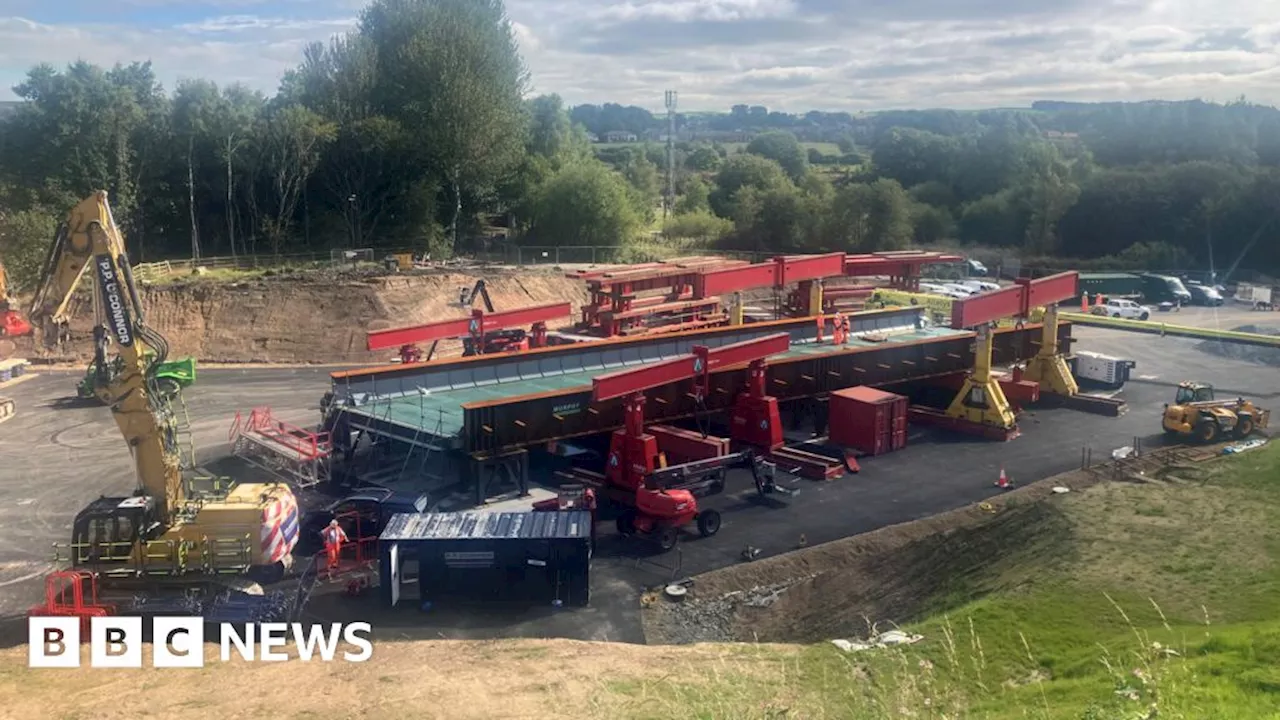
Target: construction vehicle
[
  {"x": 657, "y": 500},
  {"x": 12, "y": 324},
  {"x": 1196, "y": 413},
  {"x": 167, "y": 531},
  {"x": 172, "y": 377}
]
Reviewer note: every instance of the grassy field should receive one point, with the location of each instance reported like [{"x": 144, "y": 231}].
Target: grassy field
[{"x": 1161, "y": 600}]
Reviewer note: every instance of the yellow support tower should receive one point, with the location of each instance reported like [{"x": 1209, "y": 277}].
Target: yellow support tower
[
  {"x": 981, "y": 400},
  {"x": 1049, "y": 367},
  {"x": 736, "y": 310}
]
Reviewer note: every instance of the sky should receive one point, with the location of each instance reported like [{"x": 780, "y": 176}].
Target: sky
[{"x": 789, "y": 55}]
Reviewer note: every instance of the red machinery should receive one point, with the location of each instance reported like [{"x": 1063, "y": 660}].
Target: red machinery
[
  {"x": 482, "y": 333},
  {"x": 658, "y": 499}
]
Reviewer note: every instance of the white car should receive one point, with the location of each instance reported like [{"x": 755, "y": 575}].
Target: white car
[
  {"x": 942, "y": 290},
  {"x": 981, "y": 285},
  {"x": 961, "y": 288},
  {"x": 1126, "y": 309}
]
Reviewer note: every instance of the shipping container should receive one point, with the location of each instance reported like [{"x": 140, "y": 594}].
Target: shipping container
[
  {"x": 533, "y": 557},
  {"x": 867, "y": 419}
]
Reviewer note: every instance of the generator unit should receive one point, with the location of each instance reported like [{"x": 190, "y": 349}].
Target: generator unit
[{"x": 1098, "y": 370}]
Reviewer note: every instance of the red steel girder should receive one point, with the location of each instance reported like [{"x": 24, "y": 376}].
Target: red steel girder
[
  {"x": 896, "y": 263},
  {"x": 731, "y": 280},
  {"x": 478, "y": 324},
  {"x": 796, "y": 268},
  {"x": 647, "y": 377},
  {"x": 1051, "y": 289},
  {"x": 1014, "y": 301}
]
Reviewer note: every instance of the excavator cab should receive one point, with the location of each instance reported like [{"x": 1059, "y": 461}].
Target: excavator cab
[{"x": 106, "y": 531}]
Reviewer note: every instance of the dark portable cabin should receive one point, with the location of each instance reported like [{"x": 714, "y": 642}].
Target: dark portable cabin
[{"x": 491, "y": 556}]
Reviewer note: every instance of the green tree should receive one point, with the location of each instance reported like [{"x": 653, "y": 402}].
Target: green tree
[
  {"x": 931, "y": 224},
  {"x": 293, "y": 139},
  {"x": 697, "y": 225},
  {"x": 584, "y": 203},
  {"x": 868, "y": 217},
  {"x": 784, "y": 149},
  {"x": 741, "y": 171},
  {"x": 695, "y": 197},
  {"x": 450, "y": 72},
  {"x": 24, "y": 243},
  {"x": 703, "y": 158}
]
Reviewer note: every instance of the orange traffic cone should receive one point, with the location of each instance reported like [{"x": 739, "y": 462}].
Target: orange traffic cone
[{"x": 1003, "y": 481}]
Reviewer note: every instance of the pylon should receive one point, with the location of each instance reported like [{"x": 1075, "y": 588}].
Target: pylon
[
  {"x": 1084, "y": 302},
  {"x": 1003, "y": 481}
]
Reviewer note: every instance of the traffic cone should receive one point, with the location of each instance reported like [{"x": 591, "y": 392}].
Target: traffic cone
[
  {"x": 1003, "y": 481},
  {"x": 1084, "y": 302}
]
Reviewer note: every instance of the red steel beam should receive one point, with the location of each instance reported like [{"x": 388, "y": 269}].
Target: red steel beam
[
  {"x": 478, "y": 323},
  {"x": 647, "y": 377},
  {"x": 1052, "y": 289},
  {"x": 795, "y": 268},
  {"x": 1014, "y": 301},
  {"x": 730, "y": 280}
]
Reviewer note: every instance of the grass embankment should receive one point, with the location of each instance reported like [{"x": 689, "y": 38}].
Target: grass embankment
[{"x": 1163, "y": 600}]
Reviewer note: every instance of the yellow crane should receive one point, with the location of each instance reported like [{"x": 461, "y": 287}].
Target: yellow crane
[{"x": 165, "y": 529}]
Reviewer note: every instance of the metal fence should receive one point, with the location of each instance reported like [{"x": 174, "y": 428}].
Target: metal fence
[{"x": 513, "y": 255}]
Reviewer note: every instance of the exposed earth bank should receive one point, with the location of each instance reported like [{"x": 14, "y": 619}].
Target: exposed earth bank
[{"x": 310, "y": 318}]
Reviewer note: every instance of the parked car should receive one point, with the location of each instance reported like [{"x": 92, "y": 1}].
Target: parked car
[
  {"x": 1120, "y": 308},
  {"x": 1164, "y": 288},
  {"x": 976, "y": 268},
  {"x": 372, "y": 506},
  {"x": 962, "y": 288},
  {"x": 1204, "y": 295},
  {"x": 981, "y": 285}
]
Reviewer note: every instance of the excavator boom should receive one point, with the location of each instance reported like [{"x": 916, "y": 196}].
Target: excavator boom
[{"x": 90, "y": 239}]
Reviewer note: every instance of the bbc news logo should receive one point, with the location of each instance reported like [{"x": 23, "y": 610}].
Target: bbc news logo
[{"x": 178, "y": 642}]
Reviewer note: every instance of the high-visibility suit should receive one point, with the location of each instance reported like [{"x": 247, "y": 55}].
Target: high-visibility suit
[{"x": 333, "y": 536}]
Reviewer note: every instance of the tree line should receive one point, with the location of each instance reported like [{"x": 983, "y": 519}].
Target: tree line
[{"x": 416, "y": 130}]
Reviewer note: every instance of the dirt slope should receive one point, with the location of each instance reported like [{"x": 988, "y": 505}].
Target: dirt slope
[
  {"x": 533, "y": 679},
  {"x": 316, "y": 318}
]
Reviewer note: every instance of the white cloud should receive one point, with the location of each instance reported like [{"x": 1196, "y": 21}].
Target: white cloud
[{"x": 788, "y": 54}]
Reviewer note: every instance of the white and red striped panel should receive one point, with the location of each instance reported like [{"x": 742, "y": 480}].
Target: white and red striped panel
[{"x": 279, "y": 529}]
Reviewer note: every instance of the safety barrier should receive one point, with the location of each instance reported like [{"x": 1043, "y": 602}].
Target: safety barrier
[
  {"x": 1153, "y": 327},
  {"x": 288, "y": 451}
]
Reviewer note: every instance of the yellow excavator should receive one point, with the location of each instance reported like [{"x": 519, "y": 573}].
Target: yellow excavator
[
  {"x": 1195, "y": 413},
  {"x": 167, "y": 529}
]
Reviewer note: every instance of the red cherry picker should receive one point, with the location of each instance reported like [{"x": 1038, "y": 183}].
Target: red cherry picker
[{"x": 657, "y": 500}]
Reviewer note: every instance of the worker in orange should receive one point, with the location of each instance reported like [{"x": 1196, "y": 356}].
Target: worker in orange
[{"x": 334, "y": 536}]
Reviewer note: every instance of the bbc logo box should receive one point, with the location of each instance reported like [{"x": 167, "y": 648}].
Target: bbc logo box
[
  {"x": 178, "y": 642},
  {"x": 115, "y": 642}
]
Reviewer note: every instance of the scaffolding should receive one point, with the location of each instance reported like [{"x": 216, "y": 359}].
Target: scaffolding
[{"x": 294, "y": 454}]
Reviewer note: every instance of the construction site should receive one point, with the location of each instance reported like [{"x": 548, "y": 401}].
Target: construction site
[{"x": 694, "y": 450}]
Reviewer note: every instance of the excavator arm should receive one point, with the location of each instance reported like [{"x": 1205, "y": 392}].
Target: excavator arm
[{"x": 90, "y": 242}]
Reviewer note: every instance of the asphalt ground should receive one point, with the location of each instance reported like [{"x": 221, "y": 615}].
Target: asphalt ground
[{"x": 57, "y": 455}]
